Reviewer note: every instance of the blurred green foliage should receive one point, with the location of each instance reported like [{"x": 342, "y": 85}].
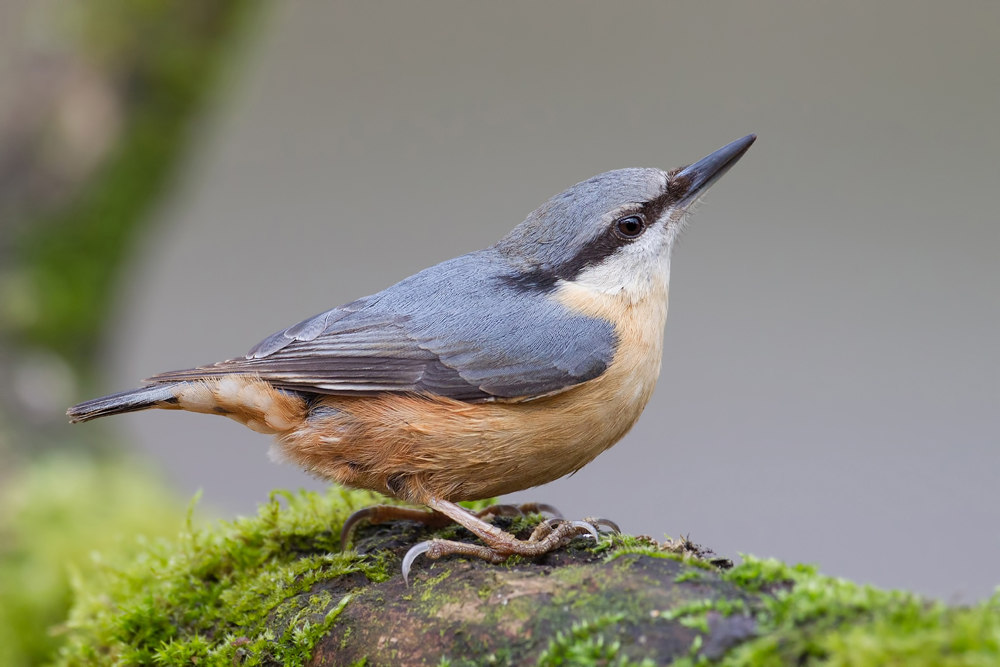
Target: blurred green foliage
[
  {"x": 161, "y": 58},
  {"x": 100, "y": 122},
  {"x": 59, "y": 518}
]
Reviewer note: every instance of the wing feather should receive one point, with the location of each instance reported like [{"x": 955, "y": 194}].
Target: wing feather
[{"x": 457, "y": 329}]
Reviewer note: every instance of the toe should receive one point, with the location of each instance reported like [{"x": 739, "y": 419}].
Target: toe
[
  {"x": 540, "y": 508},
  {"x": 352, "y": 521},
  {"x": 604, "y": 523},
  {"x": 586, "y": 526}
]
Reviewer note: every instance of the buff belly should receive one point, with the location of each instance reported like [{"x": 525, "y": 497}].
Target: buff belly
[
  {"x": 412, "y": 447},
  {"x": 415, "y": 447}
]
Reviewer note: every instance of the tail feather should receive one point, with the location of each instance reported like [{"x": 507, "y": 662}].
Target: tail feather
[
  {"x": 157, "y": 395},
  {"x": 245, "y": 398}
]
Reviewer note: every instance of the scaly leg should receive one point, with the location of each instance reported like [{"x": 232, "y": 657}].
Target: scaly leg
[
  {"x": 500, "y": 545},
  {"x": 382, "y": 513}
]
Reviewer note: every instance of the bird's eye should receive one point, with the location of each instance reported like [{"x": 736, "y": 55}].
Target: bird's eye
[{"x": 630, "y": 227}]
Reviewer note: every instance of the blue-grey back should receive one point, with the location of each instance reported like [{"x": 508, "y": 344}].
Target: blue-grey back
[{"x": 462, "y": 329}]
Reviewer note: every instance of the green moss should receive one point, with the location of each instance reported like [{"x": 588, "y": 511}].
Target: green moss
[
  {"x": 264, "y": 590},
  {"x": 56, "y": 515},
  {"x": 212, "y": 594},
  {"x": 805, "y": 618},
  {"x": 295, "y": 646},
  {"x": 690, "y": 575},
  {"x": 754, "y": 574},
  {"x": 699, "y": 608},
  {"x": 618, "y": 545},
  {"x": 810, "y": 619},
  {"x": 432, "y": 596},
  {"x": 585, "y": 645}
]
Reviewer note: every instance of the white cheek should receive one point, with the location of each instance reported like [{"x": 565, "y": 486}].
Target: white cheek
[{"x": 637, "y": 270}]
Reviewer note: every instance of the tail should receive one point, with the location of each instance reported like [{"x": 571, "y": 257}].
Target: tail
[
  {"x": 144, "y": 398},
  {"x": 245, "y": 398}
]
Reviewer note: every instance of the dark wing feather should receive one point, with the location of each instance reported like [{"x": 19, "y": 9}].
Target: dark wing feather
[{"x": 457, "y": 329}]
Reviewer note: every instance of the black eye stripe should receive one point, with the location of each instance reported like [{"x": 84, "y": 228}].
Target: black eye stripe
[{"x": 544, "y": 279}]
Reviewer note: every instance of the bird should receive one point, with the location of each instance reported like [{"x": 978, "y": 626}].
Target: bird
[{"x": 490, "y": 373}]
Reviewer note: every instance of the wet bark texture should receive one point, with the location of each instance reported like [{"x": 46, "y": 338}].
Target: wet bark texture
[{"x": 458, "y": 611}]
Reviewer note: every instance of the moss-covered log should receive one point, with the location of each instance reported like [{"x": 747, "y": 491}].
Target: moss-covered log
[
  {"x": 275, "y": 590},
  {"x": 578, "y": 602}
]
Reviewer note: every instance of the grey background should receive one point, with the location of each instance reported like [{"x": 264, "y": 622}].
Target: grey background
[{"x": 830, "y": 388}]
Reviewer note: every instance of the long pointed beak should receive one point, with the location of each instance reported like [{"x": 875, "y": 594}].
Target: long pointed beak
[{"x": 692, "y": 181}]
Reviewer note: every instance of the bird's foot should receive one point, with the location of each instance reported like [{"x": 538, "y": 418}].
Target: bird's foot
[
  {"x": 500, "y": 545},
  {"x": 433, "y": 519}
]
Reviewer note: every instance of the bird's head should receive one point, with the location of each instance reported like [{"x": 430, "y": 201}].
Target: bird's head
[{"x": 615, "y": 232}]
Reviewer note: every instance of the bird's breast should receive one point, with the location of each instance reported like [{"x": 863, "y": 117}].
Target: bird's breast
[
  {"x": 413, "y": 446},
  {"x": 620, "y": 394}
]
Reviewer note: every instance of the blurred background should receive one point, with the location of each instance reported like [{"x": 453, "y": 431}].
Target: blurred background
[{"x": 180, "y": 179}]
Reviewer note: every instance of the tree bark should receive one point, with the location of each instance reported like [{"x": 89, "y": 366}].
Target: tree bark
[{"x": 572, "y": 602}]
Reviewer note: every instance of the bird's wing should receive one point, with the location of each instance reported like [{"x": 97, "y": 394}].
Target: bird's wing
[{"x": 458, "y": 330}]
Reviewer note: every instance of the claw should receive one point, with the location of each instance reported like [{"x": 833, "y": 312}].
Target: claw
[
  {"x": 411, "y": 555},
  {"x": 586, "y": 525},
  {"x": 606, "y": 523},
  {"x": 348, "y": 529}
]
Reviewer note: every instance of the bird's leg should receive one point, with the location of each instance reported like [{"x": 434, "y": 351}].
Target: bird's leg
[
  {"x": 381, "y": 513},
  {"x": 500, "y": 545}
]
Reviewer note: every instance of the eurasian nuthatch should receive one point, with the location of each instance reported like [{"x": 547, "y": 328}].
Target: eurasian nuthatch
[{"x": 489, "y": 373}]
